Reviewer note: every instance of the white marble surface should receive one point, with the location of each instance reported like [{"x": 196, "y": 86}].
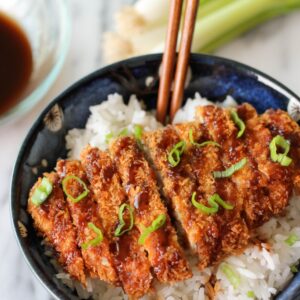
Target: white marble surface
[{"x": 273, "y": 48}]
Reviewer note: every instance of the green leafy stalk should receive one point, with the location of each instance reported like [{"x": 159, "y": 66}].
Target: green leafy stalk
[
  {"x": 230, "y": 20},
  {"x": 218, "y": 22},
  {"x": 246, "y": 26}
]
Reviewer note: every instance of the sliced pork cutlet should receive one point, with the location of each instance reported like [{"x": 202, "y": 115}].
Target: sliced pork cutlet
[
  {"x": 276, "y": 179},
  {"x": 201, "y": 231},
  {"x": 130, "y": 259},
  {"x": 139, "y": 181},
  {"x": 204, "y": 156},
  {"x": 52, "y": 220},
  {"x": 280, "y": 123},
  {"x": 84, "y": 212},
  {"x": 244, "y": 184}
]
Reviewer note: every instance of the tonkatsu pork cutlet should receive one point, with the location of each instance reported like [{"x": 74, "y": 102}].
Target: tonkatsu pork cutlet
[
  {"x": 139, "y": 181},
  {"x": 275, "y": 179},
  {"x": 202, "y": 157},
  {"x": 204, "y": 232},
  {"x": 130, "y": 259},
  {"x": 84, "y": 212},
  {"x": 280, "y": 123},
  {"x": 53, "y": 222},
  {"x": 245, "y": 184}
]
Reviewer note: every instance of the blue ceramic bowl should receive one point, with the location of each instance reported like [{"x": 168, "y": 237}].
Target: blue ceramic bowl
[{"x": 213, "y": 77}]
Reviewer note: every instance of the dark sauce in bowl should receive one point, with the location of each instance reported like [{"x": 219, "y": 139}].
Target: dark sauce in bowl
[{"x": 16, "y": 62}]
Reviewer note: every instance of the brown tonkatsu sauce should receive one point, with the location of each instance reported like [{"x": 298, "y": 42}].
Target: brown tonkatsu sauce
[{"x": 16, "y": 62}]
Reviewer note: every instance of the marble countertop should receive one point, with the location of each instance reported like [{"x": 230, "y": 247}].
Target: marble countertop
[{"x": 273, "y": 48}]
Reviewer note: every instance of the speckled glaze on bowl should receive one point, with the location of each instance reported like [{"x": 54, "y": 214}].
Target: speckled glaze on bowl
[{"x": 213, "y": 77}]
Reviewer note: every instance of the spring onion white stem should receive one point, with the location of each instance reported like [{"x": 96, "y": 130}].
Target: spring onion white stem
[{"x": 142, "y": 28}]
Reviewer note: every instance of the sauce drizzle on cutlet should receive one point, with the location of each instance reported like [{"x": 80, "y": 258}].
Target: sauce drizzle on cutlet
[{"x": 125, "y": 174}]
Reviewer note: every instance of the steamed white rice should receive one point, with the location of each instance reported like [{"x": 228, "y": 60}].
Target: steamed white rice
[{"x": 262, "y": 270}]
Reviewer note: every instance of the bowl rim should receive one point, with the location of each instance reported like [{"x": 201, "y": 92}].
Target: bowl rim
[
  {"x": 40, "y": 91},
  {"x": 135, "y": 61}
]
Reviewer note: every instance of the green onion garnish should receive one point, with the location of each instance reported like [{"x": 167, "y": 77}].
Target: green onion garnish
[
  {"x": 231, "y": 275},
  {"x": 207, "y": 210},
  {"x": 138, "y": 132},
  {"x": 228, "y": 172},
  {"x": 206, "y": 143},
  {"x": 175, "y": 153},
  {"x": 118, "y": 231},
  {"x": 220, "y": 201},
  {"x": 214, "y": 201},
  {"x": 239, "y": 122},
  {"x": 294, "y": 268},
  {"x": 123, "y": 132},
  {"x": 281, "y": 158},
  {"x": 42, "y": 192},
  {"x": 96, "y": 241},
  {"x": 250, "y": 294},
  {"x": 292, "y": 239},
  {"x": 156, "y": 224},
  {"x": 108, "y": 137},
  {"x": 82, "y": 195}
]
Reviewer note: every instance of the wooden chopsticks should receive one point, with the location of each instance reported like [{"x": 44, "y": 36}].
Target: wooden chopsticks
[
  {"x": 167, "y": 69},
  {"x": 168, "y": 61}
]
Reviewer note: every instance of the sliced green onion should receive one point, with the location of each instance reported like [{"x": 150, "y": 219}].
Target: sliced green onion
[
  {"x": 239, "y": 122},
  {"x": 42, "y": 192},
  {"x": 46, "y": 185},
  {"x": 250, "y": 294},
  {"x": 82, "y": 195},
  {"x": 284, "y": 160},
  {"x": 175, "y": 154},
  {"x": 220, "y": 201},
  {"x": 294, "y": 268},
  {"x": 231, "y": 275},
  {"x": 123, "y": 132},
  {"x": 214, "y": 201},
  {"x": 206, "y": 143},
  {"x": 207, "y": 210},
  {"x": 228, "y": 172},
  {"x": 108, "y": 137},
  {"x": 38, "y": 197},
  {"x": 156, "y": 224},
  {"x": 96, "y": 241},
  {"x": 118, "y": 231},
  {"x": 281, "y": 158},
  {"x": 292, "y": 239},
  {"x": 138, "y": 132}
]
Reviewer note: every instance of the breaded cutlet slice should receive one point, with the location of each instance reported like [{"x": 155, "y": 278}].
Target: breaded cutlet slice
[
  {"x": 211, "y": 236},
  {"x": 106, "y": 185},
  {"x": 178, "y": 185},
  {"x": 52, "y": 220},
  {"x": 244, "y": 184},
  {"x": 203, "y": 161},
  {"x": 276, "y": 179},
  {"x": 202, "y": 231},
  {"x": 97, "y": 258},
  {"x": 280, "y": 122},
  {"x": 139, "y": 181},
  {"x": 130, "y": 259}
]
